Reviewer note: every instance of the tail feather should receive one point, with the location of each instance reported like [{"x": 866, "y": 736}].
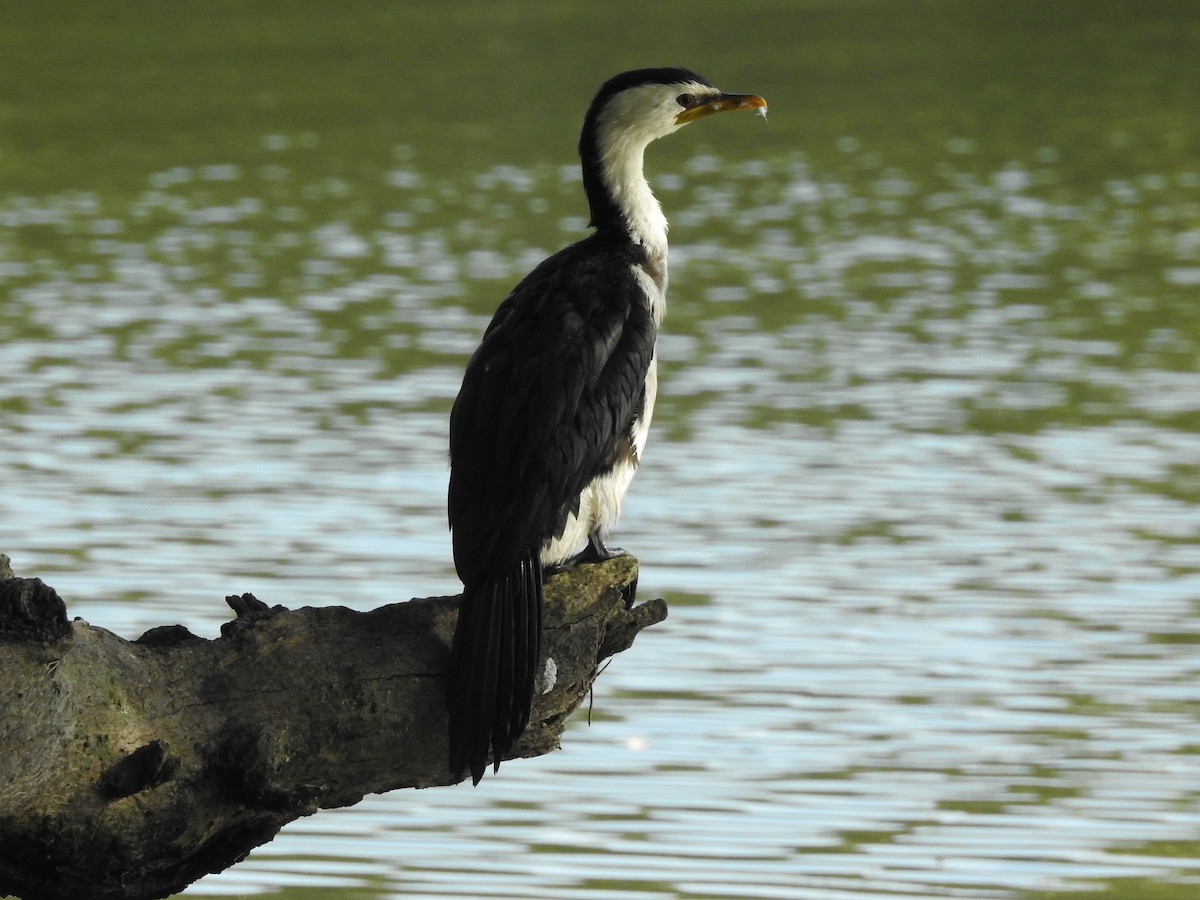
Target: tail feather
[{"x": 497, "y": 643}]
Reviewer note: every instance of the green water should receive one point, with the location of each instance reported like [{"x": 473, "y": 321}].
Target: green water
[
  {"x": 923, "y": 484},
  {"x": 102, "y": 98}
]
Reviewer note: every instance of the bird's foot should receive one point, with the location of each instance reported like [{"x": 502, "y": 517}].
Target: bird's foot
[{"x": 596, "y": 551}]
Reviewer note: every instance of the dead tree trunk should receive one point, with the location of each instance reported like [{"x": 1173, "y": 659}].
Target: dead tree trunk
[{"x": 129, "y": 769}]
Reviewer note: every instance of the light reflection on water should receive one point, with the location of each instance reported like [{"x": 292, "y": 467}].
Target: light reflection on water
[{"x": 922, "y": 492}]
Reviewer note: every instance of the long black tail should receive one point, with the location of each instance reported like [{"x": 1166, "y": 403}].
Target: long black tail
[{"x": 496, "y": 647}]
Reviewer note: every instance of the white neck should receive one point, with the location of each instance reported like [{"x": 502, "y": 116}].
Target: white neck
[
  {"x": 625, "y": 128},
  {"x": 621, "y": 164}
]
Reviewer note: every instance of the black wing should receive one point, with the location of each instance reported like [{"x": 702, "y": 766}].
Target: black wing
[{"x": 546, "y": 402}]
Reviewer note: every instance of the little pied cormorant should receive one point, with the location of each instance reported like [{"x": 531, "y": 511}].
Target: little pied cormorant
[{"x": 554, "y": 409}]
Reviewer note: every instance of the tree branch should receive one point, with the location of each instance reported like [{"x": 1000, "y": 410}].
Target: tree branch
[{"x": 129, "y": 769}]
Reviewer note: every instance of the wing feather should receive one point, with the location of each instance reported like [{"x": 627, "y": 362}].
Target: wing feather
[{"x": 545, "y": 402}]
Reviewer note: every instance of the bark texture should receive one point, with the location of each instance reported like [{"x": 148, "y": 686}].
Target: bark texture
[{"x": 129, "y": 769}]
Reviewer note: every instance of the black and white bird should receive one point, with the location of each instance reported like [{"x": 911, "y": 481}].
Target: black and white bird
[{"x": 554, "y": 409}]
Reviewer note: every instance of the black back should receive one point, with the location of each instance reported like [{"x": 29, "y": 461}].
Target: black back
[{"x": 546, "y": 401}]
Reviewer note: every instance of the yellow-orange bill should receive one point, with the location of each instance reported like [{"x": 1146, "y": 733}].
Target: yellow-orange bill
[{"x": 723, "y": 103}]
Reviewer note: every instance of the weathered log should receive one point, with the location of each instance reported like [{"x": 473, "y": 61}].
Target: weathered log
[{"x": 129, "y": 769}]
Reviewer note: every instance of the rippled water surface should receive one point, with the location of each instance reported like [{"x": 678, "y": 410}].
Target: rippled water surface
[{"x": 922, "y": 491}]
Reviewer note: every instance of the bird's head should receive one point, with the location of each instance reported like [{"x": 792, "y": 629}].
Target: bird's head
[
  {"x": 641, "y": 106},
  {"x": 628, "y": 112}
]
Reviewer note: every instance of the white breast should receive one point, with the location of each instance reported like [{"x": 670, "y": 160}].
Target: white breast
[
  {"x": 600, "y": 502},
  {"x": 655, "y": 290}
]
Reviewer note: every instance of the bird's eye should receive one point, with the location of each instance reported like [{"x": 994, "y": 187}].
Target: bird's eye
[{"x": 685, "y": 100}]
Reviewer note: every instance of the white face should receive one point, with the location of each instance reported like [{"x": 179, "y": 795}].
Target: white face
[
  {"x": 647, "y": 112},
  {"x": 627, "y": 124}
]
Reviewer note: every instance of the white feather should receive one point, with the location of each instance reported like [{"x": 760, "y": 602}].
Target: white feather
[
  {"x": 627, "y": 125},
  {"x": 655, "y": 290}
]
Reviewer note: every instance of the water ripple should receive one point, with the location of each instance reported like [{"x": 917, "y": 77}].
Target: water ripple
[{"x": 922, "y": 493}]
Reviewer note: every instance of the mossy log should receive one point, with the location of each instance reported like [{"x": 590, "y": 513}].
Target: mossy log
[{"x": 129, "y": 769}]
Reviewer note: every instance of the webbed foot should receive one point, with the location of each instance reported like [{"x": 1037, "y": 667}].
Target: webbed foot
[{"x": 596, "y": 551}]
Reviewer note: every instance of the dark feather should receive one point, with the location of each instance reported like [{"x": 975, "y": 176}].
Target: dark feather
[
  {"x": 545, "y": 402},
  {"x": 496, "y": 649},
  {"x": 546, "y": 405}
]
